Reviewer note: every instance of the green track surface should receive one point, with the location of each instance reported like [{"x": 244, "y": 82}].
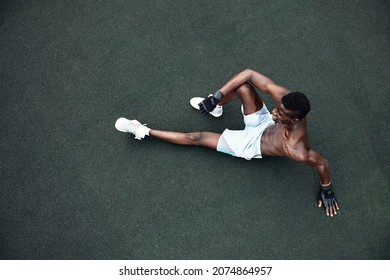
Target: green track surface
[{"x": 72, "y": 187}]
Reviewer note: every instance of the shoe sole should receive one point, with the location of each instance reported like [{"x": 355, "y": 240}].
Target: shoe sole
[
  {"x": 119, "y": 124},
  {"x": 194, "y": 104},
  {"x": 195, "y": 101}
]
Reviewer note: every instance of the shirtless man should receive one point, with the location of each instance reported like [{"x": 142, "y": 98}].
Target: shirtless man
[{"x": 282, "y": 133}]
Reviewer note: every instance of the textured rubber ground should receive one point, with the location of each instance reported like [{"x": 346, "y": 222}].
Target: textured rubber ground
[{"x": 72, "y": 187}]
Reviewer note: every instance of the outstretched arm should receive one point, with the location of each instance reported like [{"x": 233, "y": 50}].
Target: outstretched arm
[
  {"x": 315, "y": 160},
  {"x": 258, "y": 80},
  {"x": 326, "y": 194}
]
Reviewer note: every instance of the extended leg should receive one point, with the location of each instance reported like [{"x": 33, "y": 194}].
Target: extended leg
[{"x": 205, "y": 139}]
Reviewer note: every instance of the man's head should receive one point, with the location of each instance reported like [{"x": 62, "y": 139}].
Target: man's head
[
  {"x": 297, "y": 103},
  {"x": 293, "y": 107}
]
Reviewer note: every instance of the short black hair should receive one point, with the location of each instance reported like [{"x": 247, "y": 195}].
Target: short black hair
[{"x": 297, "y": 103}]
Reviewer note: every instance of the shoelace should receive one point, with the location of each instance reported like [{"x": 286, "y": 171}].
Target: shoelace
[{"x": 140, "y": 132}]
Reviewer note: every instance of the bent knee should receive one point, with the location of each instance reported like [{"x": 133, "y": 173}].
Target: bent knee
[{"x": 245, "y": 89}]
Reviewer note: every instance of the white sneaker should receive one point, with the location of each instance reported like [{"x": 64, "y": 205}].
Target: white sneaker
[
  {"x": 217, "y": 112},
  {"x": 132, "y": 126}
]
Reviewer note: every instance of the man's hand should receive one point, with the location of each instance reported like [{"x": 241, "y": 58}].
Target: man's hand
[
  {"x": 327, "y": 198},
  {"x": 210, "y": 103}
]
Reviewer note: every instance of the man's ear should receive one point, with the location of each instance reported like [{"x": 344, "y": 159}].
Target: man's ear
[{"x": 295, "y": 120}]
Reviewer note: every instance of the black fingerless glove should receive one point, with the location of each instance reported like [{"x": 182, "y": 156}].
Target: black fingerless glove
[
  {"x": 210, "y": 103},
  {"x": 327, "y": 196}
]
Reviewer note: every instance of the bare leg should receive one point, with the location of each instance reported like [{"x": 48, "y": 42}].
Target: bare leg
[
  {"x": 205, "y": 139},
  {"x": 250, "y": 99},
  {"x": 229, "y": 97},
  {"x": 251, "y": 102}
]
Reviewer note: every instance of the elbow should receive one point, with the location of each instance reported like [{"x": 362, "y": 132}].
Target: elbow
[
  {"x": 248, "y": 71},
  {"x": 304, "y": 158},
  {"x": 248, "y": 74}
]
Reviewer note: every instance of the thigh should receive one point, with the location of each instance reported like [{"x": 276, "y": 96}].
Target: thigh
[
  {"x": 209, "y": 139},
  {"x": 250, "y": 99}
]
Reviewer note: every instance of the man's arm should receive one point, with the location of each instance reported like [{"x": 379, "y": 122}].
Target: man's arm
[
  {"x": 258, "y": 80},
  {"x": 320, "y": 164},
  {"x": 326, "y": 195}
]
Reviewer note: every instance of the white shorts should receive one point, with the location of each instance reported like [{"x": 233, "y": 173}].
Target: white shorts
[{"x": 246, "y": 143}]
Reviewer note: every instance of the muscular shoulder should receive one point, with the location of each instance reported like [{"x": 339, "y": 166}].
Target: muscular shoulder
[
  {"x": 297, "y": 145},
  {"x": 297, "y": 152}
]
